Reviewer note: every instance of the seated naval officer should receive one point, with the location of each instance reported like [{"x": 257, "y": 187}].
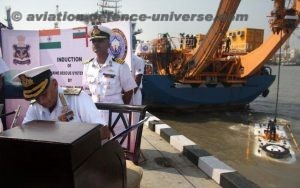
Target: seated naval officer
[{"x": 54, "y": 103}]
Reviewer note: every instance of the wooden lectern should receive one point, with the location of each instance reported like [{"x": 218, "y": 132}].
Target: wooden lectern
[{"x": 59, "y": 155}]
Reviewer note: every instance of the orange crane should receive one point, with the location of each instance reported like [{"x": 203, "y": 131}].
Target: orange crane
[
  {"x": 214, "y": 37},
  {"x": 283, "y": 23},
  {"x": 203, "y": 63}
]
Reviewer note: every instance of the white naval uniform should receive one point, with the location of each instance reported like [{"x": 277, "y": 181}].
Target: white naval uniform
[
  {"x": 3, "y": 69},
  {"x": 137, "y": 67},
  {"x": 107, "y": 82},
  {"x": 83, "y": 107}
]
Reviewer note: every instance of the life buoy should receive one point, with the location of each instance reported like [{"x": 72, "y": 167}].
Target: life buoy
[{"x": 276, "y": 151}]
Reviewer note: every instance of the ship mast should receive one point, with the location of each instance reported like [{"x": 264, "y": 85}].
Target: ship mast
[
  {"x": 8, "y": 18},
  {"x": 56, "y": 23},
  {"x": 109, "y": 7}
]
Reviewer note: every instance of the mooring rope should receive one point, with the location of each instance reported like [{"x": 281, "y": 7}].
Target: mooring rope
[{"x": 278, "y": 80}]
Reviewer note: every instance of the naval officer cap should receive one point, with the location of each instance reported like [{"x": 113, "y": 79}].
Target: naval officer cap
[
  {"x": 34, "y": 81},
  {"x": 100, "y": 32}
]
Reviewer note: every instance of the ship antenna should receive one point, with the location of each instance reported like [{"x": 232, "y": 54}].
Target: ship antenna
[
  {"x": 57, "y": 12},
  {"x": 8, "y": 18}
]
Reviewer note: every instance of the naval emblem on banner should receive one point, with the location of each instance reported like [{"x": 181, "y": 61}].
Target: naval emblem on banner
[
  {"x": 21, "y": 53},
  {"x": 118, "y": 43}
]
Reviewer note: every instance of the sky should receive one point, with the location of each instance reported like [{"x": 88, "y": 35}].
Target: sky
[{"x": 257, "y": 11}]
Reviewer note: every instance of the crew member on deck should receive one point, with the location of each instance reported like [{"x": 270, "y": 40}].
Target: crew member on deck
[
  {"x": 272, "y": 129},
  {"x": 54, "y": 103},
  {"x": 227, "y": 44}
]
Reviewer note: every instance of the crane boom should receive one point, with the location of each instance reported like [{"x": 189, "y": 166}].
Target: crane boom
[
  {"x": 284, "y": 21},
  {"x": 214, "y": 37},
  {"x": 208, "y": 63},
  {"x": 282, "y": 30},
  {"x": 257, "y": 58}
]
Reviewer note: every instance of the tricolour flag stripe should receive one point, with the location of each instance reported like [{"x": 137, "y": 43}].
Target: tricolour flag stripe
[
  {"x": 79, "y": 35},
  {"x": 50, "y": 45},
  {"x": 49, "y": 32},
  {"x": 50, "y": 39}
]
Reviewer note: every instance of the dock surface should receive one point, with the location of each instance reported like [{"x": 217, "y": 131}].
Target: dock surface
[{"x": 176, "y": 170}]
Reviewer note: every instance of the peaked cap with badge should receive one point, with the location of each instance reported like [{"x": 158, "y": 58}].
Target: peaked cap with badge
[
  {"x": 100, "y": 32},
  {"x": 34, "y": 81}
]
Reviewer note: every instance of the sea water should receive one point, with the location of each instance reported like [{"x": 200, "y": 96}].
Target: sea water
[{"x": 228, "y": 135}]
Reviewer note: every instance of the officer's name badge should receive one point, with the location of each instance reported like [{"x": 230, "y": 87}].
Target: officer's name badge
[{"x": 109, "y": 75}]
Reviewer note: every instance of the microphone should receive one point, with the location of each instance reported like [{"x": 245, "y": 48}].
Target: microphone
[{"x": 7, "y": 114}]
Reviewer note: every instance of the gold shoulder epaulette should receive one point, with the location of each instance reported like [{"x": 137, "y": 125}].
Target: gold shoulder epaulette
[
  {"x": 72, "y": 91},
  {"x": 32, "y": 101},
  {"x": 86, "y": 62},
  {"x": 119, "y": 60}
]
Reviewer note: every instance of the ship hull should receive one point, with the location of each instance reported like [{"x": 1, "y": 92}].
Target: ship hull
[{"x": 161, "y": 90}]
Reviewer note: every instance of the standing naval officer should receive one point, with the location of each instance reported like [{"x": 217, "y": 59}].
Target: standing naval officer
[
  {"x": 3, "y": 68},
  {"x": 109, "y": 79},
  {"x": 137, "y": 69}
]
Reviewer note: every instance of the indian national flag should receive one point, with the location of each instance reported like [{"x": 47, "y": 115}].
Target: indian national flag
[
  {"x": 50, "y": 39},
  {"x": 80, "y": 33}
]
